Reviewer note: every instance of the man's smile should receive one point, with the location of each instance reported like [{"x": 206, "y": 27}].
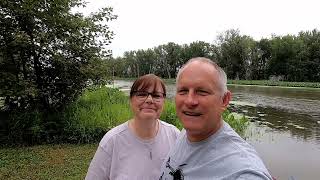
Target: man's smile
[{"x": 190, "y": 113}]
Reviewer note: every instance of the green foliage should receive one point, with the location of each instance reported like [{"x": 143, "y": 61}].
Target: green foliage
[
  {"x": 237, "y": 122},
  {"x": 289, "y": 58},
  {"x": 47, "y": 52},
  {"x": 235, "y": 53},
  {"x": 47, "y": 55},
  {"x": 169, "y": 114},
  {"x": 94, "y": 113}
]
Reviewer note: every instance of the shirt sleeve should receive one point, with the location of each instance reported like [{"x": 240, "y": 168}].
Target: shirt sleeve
[
  {"x": 252, "y": 176},
  {"x": 99, "y": 168}
]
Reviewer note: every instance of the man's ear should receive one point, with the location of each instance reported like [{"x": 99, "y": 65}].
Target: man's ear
[{"x": 226, "y": 99}]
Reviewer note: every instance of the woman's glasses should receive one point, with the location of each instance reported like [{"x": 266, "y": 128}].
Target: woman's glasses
[{"x": 143, "y": 95}]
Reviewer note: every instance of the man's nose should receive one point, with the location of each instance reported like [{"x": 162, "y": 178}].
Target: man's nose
[{"x": 192, "y": 99}]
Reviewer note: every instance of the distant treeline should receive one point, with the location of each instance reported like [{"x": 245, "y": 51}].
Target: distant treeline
[{"x": 289, "y": 58}]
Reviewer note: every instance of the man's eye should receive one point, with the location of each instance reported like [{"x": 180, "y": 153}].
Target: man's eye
[
  {"x": 203, "y": 92},
  {"x": 182, "y": 91}
]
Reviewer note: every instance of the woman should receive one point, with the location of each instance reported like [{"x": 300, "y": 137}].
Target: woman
[{"x": 136, "y": 149}]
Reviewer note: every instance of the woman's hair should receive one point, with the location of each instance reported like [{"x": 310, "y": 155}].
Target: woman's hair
[{"x": 145, "y": 82}]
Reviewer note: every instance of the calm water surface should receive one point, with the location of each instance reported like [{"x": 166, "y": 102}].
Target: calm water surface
[{"x": 284, "y": 127}]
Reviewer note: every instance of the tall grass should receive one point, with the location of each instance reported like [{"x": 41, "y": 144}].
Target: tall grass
[
  {"x": 94, "y": 113},
  {"x": 238, "y": 122},
  {"x": 100, "y": 109},
  {"x": 169, "y": 114}
]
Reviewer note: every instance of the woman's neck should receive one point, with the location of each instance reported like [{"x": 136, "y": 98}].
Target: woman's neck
[{"x": 144, "y": 129}]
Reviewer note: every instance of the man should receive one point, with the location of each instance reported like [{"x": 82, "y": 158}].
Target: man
[{"x": 208, "y": 148}]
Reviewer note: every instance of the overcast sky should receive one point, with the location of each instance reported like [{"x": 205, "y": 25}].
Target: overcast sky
[{"x": 143, "y": 24}]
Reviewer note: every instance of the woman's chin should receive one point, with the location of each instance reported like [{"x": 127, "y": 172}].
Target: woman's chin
[{"x": 148, "y": 115}]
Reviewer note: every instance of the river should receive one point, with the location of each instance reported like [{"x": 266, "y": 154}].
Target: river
[{"x": 284, "y": 126}]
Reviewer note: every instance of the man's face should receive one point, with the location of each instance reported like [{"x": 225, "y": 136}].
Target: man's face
[{"x": 200, "y": 100}]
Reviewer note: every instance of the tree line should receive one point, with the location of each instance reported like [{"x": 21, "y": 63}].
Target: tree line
[{"x": 290, "y": 58}]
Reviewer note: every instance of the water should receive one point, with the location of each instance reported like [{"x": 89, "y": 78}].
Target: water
[{"x": 284, "y": 127}]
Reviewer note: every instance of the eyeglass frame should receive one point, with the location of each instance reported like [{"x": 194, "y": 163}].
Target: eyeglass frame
[{"x": 152, "y": 94}]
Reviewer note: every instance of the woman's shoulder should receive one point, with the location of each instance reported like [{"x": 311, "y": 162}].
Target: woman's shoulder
[
  {"x": 169, "y": 127},
  {"x": 113, "y": 133}
]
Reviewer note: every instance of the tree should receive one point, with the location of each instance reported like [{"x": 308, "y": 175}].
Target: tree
[
  {"x": 309, "y": 56},
  {"x": 168, "y": 58},
  {"x": 283, "y": 56},
  {"x": 146, "y": 61},
  {"x": 235, "y": 53},
  {"x": 46, "y": 51},
  {"x": 259, "y": 65},
  {"x": 47, "y": 55},
  {"x": 133, "y": 66},
  {"x": 197, "y": 49}
]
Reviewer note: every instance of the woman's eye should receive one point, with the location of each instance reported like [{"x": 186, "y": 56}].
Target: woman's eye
[
  {"x": 156, "y": 96},
  {"x": 141, "y": 94}
]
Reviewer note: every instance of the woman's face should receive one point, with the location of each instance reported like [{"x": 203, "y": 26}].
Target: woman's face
[{"x": 147, "y": 104}]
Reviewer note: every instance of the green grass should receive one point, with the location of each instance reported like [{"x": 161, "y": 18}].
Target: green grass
[
  {"x": 43, "y": 162},
  {"x": 94, "y": 113}
]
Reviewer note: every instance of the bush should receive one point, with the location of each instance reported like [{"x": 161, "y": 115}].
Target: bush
[{"x": 238, "y": 122}]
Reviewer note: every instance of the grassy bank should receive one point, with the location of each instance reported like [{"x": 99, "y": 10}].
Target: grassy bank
[
  {"x": 275, "y": 83},
  {"x": 44, "y": 162},
  {"x": 255, "y": 82}
]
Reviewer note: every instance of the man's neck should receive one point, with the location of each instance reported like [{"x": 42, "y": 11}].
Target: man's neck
[{"x": 200, "y": 136}]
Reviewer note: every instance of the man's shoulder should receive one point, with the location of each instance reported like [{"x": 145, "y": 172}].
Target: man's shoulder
[{"x": 254, "y": 175}]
